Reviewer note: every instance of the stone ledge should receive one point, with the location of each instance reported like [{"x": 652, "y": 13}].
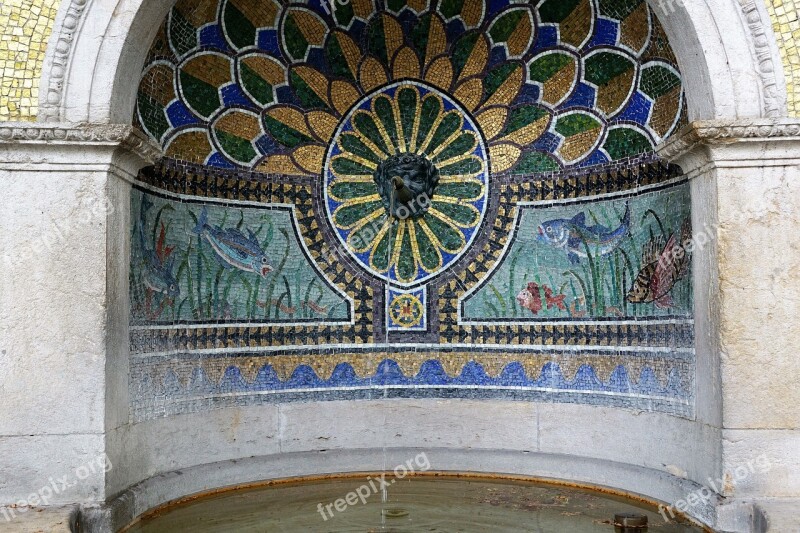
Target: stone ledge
[
  {"x": 39, "y": 519},
  {"x": 779, "y": 514},
  {"x": 726, "y": 132},
  {"x": 641, "y": 483},
  {"x": 112, "y": 135}
]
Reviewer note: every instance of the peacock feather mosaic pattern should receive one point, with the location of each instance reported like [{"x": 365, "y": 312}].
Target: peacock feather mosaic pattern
[
  {"x": 410, "y": 199},
  {"x": 550, "y": 84}
]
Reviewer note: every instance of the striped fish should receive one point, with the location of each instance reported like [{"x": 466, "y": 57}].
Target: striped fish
[
  {"x": 578, "y": 239},
  {"x": 664, "y": 266},
  {"x": 233, "y": 249}
]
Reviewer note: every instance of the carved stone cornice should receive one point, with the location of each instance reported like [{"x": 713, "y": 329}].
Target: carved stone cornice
[
  {"x": 59, "y": 55},
  {"x": 112, "y": 135},
  {"x": 754, "y": 13},
  {"x": 727, "y": 132}
]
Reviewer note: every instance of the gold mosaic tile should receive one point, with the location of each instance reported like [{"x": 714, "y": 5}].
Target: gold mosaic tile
[
  {"x": 25, "y": 27},
  {"x": 785, "y": 22}
]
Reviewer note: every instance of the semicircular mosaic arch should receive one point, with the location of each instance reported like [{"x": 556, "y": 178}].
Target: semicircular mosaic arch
[
  {"x": 263, "y": 85},
  {"x": 301, "y": 89},
  {"x": 291, "y": 130}
]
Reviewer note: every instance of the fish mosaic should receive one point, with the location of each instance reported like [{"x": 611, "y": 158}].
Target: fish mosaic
[
  {"x": 233, "y": 248},
  {"x": 664, "y": 266},
  {"x": 579, "y": 241},
  {"x": 531, "y": 299},
  {"x": 208, "y": 262},
  {"x": 157, "y": 265},
  {"x": 609, "y": 259}
]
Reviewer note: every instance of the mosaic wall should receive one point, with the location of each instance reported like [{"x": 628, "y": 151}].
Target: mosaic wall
[
  {"x": 785, "y": 23},
  {"x": 25, "y": 27},
  {"x": 585, "y": 260},
  {"x": 363, "y": 201}
]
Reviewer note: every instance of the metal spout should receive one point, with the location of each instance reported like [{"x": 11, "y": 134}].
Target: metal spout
[
  {"x": 630, "y": 523},
  {"x": 402, "y": 192}
]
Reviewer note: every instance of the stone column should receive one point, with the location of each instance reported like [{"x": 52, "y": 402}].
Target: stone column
[
  {"x": 64, "y": 211},
  {"x": 748, "y": 173}
]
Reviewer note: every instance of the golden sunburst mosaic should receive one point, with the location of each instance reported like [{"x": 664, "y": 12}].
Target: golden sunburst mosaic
[{"x": 404, "y": 129}]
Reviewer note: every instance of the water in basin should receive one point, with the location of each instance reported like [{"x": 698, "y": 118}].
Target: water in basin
[{"x": 417, "y": 504}]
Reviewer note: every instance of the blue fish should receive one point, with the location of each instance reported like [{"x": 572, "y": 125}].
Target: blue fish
[
  {"x": 576, "y": 238},
  {"x": 233, "y": 249},
  {"x": 157, "y": 262}
]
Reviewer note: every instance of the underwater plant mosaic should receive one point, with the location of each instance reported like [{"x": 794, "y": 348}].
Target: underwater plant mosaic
[
  {"x": 605, "y": 259},
  {"x": 219, "y": 268},
  {"x": 410, "y": 199}
]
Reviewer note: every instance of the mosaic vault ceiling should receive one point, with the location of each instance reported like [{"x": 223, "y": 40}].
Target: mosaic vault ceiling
[
  {"x": 449, "y": 199},
  {"x": 285, "y": 88}
]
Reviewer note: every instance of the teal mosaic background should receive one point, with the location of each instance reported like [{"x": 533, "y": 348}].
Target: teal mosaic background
[
  {"x": 596, "y": 286},
  {"x": 207, "y": 287}
]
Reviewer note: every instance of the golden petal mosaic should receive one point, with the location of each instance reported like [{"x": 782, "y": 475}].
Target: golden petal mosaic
[
  {"x": 550, "y": 84},
  {"x": 423, "y": 135}
]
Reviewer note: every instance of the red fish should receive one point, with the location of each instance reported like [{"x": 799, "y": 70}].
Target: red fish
[
  {"x": 530, "y": 299},
  {"x": 554, "y": 301}
]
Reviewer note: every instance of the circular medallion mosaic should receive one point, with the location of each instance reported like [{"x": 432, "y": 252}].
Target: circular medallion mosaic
[
  {"x": 406, "y": 311},
  {"x": 406, "y": 182}
]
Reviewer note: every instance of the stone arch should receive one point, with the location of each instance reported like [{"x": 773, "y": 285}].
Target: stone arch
[
  {"x": 727, "y": 51},
  {"x": 729, "y": 57}
]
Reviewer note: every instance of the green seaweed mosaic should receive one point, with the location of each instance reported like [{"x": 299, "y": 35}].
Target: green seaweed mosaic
[
  {"x": 205, "y": 286},
  {"x": 595, "y": 286}
]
